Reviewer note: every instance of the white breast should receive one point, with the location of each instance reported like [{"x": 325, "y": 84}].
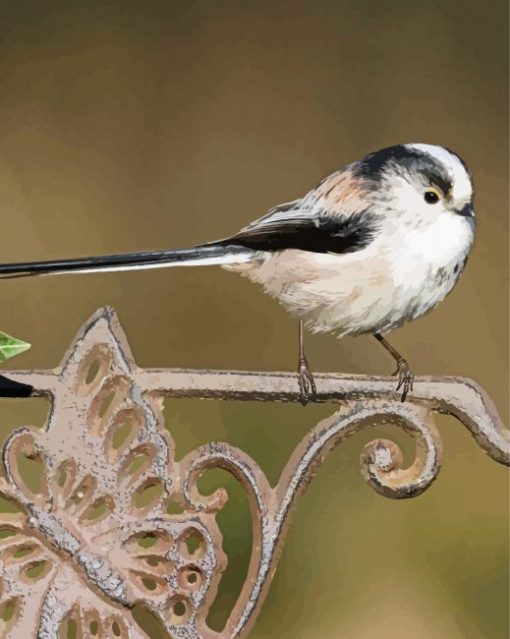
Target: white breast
[
  {"x": 426, "y": 266},
  {"x": 399, "y": 277}
]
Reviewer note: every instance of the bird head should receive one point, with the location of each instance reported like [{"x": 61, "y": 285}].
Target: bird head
[{"x": 420, "y": 182}]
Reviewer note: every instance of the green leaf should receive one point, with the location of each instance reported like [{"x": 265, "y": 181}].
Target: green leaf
[{"x": 10, "y": 346}]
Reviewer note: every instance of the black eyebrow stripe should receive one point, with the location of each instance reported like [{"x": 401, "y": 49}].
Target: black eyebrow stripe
[
  {"x": 374, "y": 165},
  {"x": 439, "y": 180}
]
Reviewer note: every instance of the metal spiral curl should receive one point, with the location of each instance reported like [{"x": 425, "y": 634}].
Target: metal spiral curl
[
  {"x": 382, "y": 460},
  {"x": 233, "y": 460}
]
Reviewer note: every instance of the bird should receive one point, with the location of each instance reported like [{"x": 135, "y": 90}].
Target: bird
[{"x": 379, "y": 242}]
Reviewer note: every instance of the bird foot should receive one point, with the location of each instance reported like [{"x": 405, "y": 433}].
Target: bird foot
[
  {"x": 306, "y": 382},
  {"x": 405, "y": 378}
]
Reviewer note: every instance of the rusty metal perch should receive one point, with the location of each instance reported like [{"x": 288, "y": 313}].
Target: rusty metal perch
[{"x": 96, "y": 552}]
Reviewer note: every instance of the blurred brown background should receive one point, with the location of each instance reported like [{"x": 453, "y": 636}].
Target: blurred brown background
[{"x": 133, "y": 125}]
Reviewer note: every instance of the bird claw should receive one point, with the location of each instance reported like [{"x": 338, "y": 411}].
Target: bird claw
[
  {"x": 405, "y": 378},
  {"x": 306, "y": 382}
]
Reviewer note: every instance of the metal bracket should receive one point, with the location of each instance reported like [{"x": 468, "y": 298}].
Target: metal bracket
[{"x": 85, "y": 548}]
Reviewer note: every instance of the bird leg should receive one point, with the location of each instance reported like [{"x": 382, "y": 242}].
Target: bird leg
[
  {"x": 403, "y": 370},
  {"x": 305, "y": 377}
]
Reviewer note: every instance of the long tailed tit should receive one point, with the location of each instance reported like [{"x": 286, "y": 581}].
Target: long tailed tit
[{"x": 379, "y": 242}]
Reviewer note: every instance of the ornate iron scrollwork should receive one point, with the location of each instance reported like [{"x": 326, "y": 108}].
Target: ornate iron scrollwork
[{"x": 86, "y": 546}]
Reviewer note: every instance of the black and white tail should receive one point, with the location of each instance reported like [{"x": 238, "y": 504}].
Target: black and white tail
[{"x": 198, "y": 256}]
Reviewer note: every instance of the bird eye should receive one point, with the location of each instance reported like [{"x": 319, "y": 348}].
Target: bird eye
[{"x": 432, "y": 196}]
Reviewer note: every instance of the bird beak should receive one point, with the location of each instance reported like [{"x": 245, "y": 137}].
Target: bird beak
[{"x": 466, "y": 211}]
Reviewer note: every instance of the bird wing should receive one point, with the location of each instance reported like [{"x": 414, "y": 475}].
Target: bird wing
[{"x": 332, "y": 218}]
